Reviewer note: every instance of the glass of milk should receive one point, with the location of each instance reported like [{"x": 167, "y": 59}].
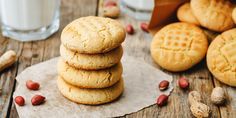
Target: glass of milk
[
  {"x": 28, "y": 20},
  {"x": 139, "y": 9}
]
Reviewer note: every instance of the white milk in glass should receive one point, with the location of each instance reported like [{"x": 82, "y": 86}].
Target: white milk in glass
[
  {"x": 139, "y": 9},
  {"x": 28, "y": 20}
]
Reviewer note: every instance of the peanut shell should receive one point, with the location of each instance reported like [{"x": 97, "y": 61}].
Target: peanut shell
[
  {"x": 200, "y": 110},
  {"x": 193, "y": 97},
  {"x": 217, "y": 96}
]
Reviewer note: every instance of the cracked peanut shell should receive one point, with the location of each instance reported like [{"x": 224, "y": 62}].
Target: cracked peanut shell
[
  {"x": 200, "y": 110},
  {"x": 193, "y": 97}
]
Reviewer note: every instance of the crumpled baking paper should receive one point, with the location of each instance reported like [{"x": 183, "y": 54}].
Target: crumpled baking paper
[{"x": 141, "y": 90}]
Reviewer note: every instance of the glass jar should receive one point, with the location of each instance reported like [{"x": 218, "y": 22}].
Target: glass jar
[
  {"x": 28, "y": 20},
  {"x": 139, "y": 9}
]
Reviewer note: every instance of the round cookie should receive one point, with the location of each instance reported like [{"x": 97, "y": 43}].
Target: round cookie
[
  {"x": 93, "y": 35},
  {"x": 90, "y": 96},
  {"x": 91, "y": 61},
  {"x": 221, "y": 57},
  {"x": 185, "y": 14},
  {"x": 215, "y": 15},
  {"x": 179, "y": 46},
  {"x": 90, "y": 79},
  {"x": 234, "y": 15}
]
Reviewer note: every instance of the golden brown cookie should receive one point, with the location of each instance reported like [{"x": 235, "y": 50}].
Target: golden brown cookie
[
  {"x": 234, "y": 15},
  {"x": 91, "y": 61},
  {"x": 179, "y": 46},
  {"x": 221, "y": 57},
  {"x": 90, "y": 96},
  {"x": 185, "y": 14},
  {"x": 93, "y": 35},
  {"x": 88, "y": 78},
  {"x": 215, "y": 15}
]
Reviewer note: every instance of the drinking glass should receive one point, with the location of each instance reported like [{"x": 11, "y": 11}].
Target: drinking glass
[
  {"x": 29, "y": 20},
  {"x": 139, "y": 9}
]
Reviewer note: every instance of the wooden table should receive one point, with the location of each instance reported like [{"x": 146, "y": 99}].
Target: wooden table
[{"x": 137, "y": 45}]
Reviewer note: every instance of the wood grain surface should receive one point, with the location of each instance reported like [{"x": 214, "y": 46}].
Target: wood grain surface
[{"x": 137, "y": 45}]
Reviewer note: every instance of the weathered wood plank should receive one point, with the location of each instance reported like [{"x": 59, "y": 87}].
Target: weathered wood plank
[
  {"x": 229, "y": 109},
  {"x": 35, "y": 52},
  {"x": 24, "y": 61},
  {"x": 32, "y": 53},
  {"x": 7, "y": 79}
]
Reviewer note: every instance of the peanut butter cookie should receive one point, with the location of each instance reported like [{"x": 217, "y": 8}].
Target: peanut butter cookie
[
  {"x": 234, "y": 15},
  {"x": 221, "y": 57},
  {"x": 93, "y": 35},
  {"x": 89, "y": 78},
  {"x": 215, "y": 15},
  {"x": 185, "y": 14},
  {"x": 90, "y": 96},
  {"x": 91, "y": 61},
  {"x": 179, "y": 46}
]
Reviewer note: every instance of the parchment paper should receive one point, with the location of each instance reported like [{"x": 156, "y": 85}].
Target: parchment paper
[{"x": 141, "y": 90}]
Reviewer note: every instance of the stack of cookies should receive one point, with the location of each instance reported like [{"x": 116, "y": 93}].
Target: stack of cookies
[{"x": 90, "y": 71}]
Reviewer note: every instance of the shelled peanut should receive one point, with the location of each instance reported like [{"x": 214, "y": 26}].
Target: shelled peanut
[
  {"x": 36, "y": 99},
  {"x": 111, "y": 9},
  {"x": 183, "y": 83},
  {"x": 31, "y": 85},
  {"x": 162, "y": 100},
  {"x": 144, "y": 26},
  {"x": 20, "y": 100},
  {"x": 163, "y": 85},
  {"x": 129, "y": 29}
]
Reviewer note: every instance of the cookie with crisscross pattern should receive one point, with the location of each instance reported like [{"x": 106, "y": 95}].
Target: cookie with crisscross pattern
[
  {"x": 179, "y": 46},
  {"x": 221, "y": 57},
  {"x": 185, "y": 14},
  {"x": 93, "y": 35},
  {"x": 215, "y": 15}
]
